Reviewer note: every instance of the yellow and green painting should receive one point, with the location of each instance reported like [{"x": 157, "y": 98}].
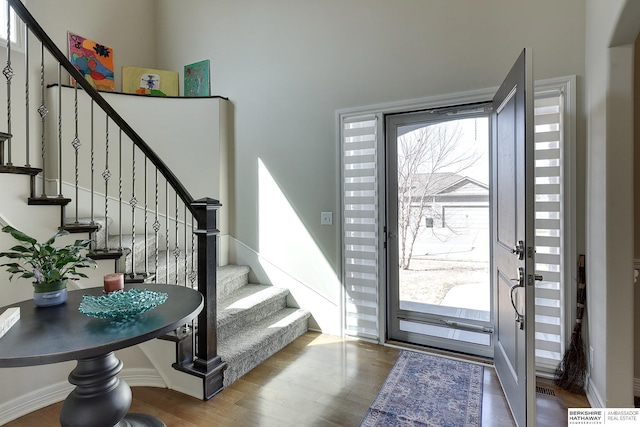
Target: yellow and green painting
[
  {"x": 93, "y": 60},
  {"x": 149, "y": 81}
]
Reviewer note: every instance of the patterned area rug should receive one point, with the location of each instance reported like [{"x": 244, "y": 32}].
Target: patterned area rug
[{"x": 426, "y": 390}]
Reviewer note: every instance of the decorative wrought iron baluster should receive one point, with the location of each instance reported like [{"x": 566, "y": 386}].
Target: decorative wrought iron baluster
[
  {"x": 186, "y": 252},
  {"x": 76, "y": 146},
  {"x": 133, "y": 202},
  {"x": 146, "y": 220},
  {"x": 120, "y": 247},
  {"x": 27, "y": 144},
  {"x": 166, "y": 258},
  {"x": 106, "y": 175},
  {"x": 156, "y": 229},
  {"x": 43, "y": 111},
  {"x": 8, "y": 73},
  {"x": 176, "y": 250},
  {"x": 60, "y": 130},
  {"x": 92, "y": 165}
]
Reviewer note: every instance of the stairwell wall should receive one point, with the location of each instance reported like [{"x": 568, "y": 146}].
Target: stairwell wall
[{"x": 287, "y": 66}]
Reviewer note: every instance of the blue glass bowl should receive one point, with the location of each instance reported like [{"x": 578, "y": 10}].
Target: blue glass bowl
[{"x": 121, "y": 305}]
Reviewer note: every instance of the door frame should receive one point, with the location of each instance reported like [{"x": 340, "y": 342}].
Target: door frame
[{"x": 436, "y": 317}]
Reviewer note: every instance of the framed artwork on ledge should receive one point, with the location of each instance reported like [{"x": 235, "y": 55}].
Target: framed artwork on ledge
[
  {"x": 196, "y": 79},
  {"x": 93, "y": 60},
  {"x": 149, "y": 81}
]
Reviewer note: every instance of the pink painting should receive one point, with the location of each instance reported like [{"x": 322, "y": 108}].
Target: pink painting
[{"x": 93, "y": 60}]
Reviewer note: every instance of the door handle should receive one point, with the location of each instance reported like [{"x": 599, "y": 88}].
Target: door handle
[
  {"x": 518, "y": 284},
  {"x": 519, "y": 250}
]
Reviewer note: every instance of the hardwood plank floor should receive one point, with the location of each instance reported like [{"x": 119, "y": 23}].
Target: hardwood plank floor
[{"x": 318, "y": 380}]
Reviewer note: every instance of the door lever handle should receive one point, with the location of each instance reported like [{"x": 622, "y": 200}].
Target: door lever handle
[{"x": 518, "y": 284}]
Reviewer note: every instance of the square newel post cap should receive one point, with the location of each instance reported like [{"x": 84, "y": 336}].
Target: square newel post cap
[
  {"x": 207, "y": 202},
  {"x": 205, "y": 210}
]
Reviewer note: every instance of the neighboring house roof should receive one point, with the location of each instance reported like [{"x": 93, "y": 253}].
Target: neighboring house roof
[{"x": 446, "y": 183}]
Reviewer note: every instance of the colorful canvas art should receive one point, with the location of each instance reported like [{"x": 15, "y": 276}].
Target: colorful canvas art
[
  {"x": 148, "y": 81},
  {"x": 196, "y": 79},
  {"x": 93, "y": 60}
]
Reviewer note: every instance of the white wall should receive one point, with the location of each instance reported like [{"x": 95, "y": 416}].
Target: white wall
[
  {"x": 611, "y": 32},
  {"x": 128, "y": 27},
  {"x": 287, "y": 66}
]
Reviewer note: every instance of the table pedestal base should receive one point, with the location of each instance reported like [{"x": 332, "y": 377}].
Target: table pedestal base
[
  {"x": 140, "y": 420},
  {"x": 100, "y": 398}
]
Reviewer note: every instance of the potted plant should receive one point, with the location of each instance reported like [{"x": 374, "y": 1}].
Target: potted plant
[{"x": 48, "y": 266}]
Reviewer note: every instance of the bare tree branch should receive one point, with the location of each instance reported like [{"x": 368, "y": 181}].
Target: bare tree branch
[{"x": 427, "y": 157}]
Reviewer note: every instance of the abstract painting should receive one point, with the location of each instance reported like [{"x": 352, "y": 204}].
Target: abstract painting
[
  {"x": 93, "y": 60},
  {"x": 196, "y": 79},
  {"x": 149, "y": 81}
]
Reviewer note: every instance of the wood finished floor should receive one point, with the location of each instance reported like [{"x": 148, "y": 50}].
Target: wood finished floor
[{"x": 318, "y": 380}]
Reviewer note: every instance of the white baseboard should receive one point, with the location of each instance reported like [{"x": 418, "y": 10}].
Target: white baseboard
[
  {"x": 33, "y": 401},
  {"x": 593, "y": 396},
  {"x": 54, "y": 393}
]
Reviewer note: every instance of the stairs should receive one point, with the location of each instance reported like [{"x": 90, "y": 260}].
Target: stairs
[{"x": 254, "y": 321}]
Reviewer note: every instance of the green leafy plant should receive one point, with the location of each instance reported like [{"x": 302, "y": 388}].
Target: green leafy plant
[{"x": 48, "y": 266}]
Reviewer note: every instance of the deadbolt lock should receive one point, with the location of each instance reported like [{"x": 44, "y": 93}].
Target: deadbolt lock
[{"x": 519, "y": 250}]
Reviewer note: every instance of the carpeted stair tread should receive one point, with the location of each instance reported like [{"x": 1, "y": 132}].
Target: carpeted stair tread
[
  {"x": 248, "y": 304},
  {"x": 253, "y": 344}
]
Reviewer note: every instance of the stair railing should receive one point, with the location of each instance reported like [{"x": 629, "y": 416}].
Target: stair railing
[{"x": 184, "y": 229}]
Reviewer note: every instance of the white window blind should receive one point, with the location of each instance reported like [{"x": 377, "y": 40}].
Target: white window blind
[
  {"x": 360, "y": 225},
  {"x": 555, "y": 249},
  {"x": 14, "y": 23},
  {"x": 549, "y": 225}
]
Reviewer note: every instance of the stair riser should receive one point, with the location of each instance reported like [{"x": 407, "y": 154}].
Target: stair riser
[
  {"x": 251, "y": 315},
  {"x": 161, "y": 274},
  {"x": 244, "y": 363},
  {"x": 231, "y": 284}
]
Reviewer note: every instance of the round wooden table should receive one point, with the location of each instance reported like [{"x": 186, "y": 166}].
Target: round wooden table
[{"x": 60, "y": 333}]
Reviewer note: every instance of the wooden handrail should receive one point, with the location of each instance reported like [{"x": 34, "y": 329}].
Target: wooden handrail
[{"x": 41, "y": 35}]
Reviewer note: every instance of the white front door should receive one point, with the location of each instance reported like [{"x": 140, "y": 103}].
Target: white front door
[{"x": 513, "y": 239}]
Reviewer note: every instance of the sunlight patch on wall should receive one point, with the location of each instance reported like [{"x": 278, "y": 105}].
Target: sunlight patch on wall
[{"x": 285, "y": 242}]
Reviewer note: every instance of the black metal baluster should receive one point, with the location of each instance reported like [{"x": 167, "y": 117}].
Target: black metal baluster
[
  {"x": 27, "y": 144},
  {"x": 60, "y": 130},
  {"x": 133, "y": 202},
  {"x": 92, "y": 166},
  {"x": 76, "y": 146},
  {"x": 156, "y": 228},
  {"x": 176, "y": 251},
  {"x": 43, "y": 111},
  {"x": 186, "y": 252},
  {"x": 8, "y": 73},
  {"x": 106, "y": 175},
  {"x": 120, "y": 247},
  {"x": 146, "y": 220}
]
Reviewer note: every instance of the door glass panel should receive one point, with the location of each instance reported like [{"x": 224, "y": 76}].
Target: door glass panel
[{"x": 443, "y": 218}]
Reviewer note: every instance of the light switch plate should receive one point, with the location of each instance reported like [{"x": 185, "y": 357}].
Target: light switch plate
[{"x": 326, "y": 218}]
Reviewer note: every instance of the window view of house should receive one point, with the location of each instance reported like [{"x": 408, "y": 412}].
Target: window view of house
[{"x": 443, "y": 215}]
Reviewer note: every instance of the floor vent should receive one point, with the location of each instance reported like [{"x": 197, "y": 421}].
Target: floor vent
[{"x": 545, "y": 390}]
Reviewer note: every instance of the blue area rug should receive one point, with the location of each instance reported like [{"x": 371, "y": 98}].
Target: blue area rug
[{"x": 426, "y": 390}]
